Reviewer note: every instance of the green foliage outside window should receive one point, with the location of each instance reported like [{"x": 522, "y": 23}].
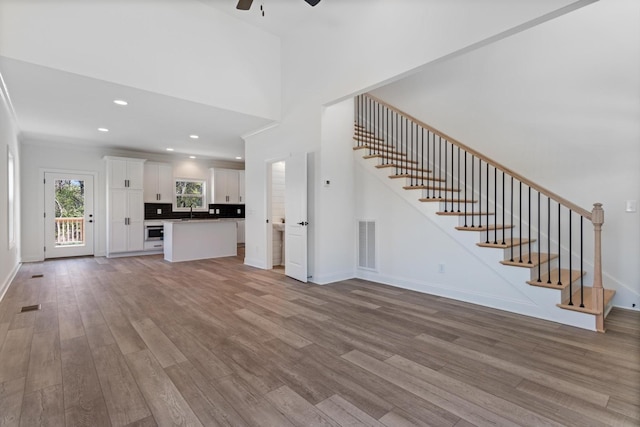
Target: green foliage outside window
[
  {"x": 69, "y": 198},
  {"x": 190, "y": 194}
]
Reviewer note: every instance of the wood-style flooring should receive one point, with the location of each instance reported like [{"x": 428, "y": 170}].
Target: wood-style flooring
[{"x": 142, "y": 342}]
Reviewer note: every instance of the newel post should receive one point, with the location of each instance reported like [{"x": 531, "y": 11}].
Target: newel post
[{"x": 597, "y": 218}]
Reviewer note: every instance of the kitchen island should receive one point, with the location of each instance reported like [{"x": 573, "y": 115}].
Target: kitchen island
[{"x": 199, "y": 239}]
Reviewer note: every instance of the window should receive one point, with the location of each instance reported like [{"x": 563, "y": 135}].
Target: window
[{"x": 190, "y": 194}]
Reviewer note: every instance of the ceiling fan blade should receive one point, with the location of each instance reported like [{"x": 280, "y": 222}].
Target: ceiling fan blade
[
  {"x": 245, "y": 4},
  {"x": 312, "y": 2}
]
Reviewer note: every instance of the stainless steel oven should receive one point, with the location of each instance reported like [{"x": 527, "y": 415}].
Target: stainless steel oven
[{"x": 153, "y": 232}]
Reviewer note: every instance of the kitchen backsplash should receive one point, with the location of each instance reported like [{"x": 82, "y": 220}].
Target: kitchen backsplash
[{"x": 166, "y": 212}]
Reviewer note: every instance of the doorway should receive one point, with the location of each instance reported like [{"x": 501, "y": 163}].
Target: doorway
[
  {"x": 287, "y": 215},
  {"x": 278, "y": 217},
  {"x": 68, "y": 215}
]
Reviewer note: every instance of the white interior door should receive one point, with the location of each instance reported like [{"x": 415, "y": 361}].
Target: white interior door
[
  {"x": 295, "y": 206},
  {"x": 69, "y": 219}
]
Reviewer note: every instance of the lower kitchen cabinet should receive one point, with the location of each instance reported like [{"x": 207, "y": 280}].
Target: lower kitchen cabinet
[{"x": 126, "y": 221}]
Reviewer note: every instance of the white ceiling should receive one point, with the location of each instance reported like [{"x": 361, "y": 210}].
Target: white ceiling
[
  {"x": 281, "y": 17},
  {"x": 59, "y": 106},
  {"x": 65, "y": 107}
]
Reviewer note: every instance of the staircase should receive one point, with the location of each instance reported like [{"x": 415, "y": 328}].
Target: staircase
[{"x": 532, "y": 228}]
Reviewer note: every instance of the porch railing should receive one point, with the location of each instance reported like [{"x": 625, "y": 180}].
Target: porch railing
[
  {"x": 466, "y": 181},
  {"x": 69, "y": 231}
]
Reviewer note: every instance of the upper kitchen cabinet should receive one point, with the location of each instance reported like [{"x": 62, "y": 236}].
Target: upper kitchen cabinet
[
  {"x": 158, "y": 183},
  {"x": 125, "y": 173},
  {"x": 241, "y": 187},
  {"x": 228, "y": 186}
]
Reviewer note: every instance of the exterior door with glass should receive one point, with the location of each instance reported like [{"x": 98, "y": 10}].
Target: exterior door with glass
[{"x": 68, "y": 215}]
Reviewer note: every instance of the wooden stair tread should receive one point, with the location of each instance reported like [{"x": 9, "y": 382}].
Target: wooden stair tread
[
  {"x": 448, "y": 200},
  {"x": 484, "y": 227},
  {"x": 379, "y": 148},
  {"x": 507, "y": 243},
  {"x": 429, "y": 187},
  {"x": 587, "y": 301},
  {"x": 391, "y": 157},
  {"x": 455, "y": 213},
  {"x": 535, "y": 260},
  {"x": 557, "y": 275},
  {"x": 410, "y": 176},
  {"x": 403, "y": 167}
]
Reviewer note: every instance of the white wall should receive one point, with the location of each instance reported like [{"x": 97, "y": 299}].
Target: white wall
[
  {"x": 324, "y": 64},
  {"x": 560, "y": 104},
  {"x": 37, "y": 156},
  {"x": 9, "y": 252},
  {"x": 183, "y": 49}
]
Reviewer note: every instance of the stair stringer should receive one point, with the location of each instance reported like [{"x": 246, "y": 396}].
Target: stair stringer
[{"x": 538, "y": 302}]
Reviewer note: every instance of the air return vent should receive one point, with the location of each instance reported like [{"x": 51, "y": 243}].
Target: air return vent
[{"x": 367, "y": 244}]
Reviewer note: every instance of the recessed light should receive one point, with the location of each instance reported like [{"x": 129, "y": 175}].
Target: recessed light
[
  {"x": 103, "y": 129},
  {"x": 192, "y": 157},
  {"x": 194, "y": 136},
  {"x": 169, "y": 149},
  {"x": 120, "y": 102},
  {"x": 238, "y": 158}
]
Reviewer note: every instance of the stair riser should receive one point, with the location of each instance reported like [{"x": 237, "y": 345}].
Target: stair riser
[
  {"x": 517, "y": 250},
  {"x": 481, "y": 236}
]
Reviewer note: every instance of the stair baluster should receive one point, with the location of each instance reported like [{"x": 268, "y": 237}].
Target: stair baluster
[
  {"x": 529, "y": 232},
  {"x": 560, "y": 249},
  {"x": 570, "y": 262}
]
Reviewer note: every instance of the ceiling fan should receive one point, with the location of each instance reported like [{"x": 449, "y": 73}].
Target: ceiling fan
[{"x": 246, "y": 4}]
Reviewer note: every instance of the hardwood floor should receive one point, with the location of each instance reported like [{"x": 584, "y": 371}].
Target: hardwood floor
[{"x": 142, "y": 342}]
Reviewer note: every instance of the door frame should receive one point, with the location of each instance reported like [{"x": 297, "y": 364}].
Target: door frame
[
  {"x": 41, "y": 195},
  {"x": 269, "y": 226}
]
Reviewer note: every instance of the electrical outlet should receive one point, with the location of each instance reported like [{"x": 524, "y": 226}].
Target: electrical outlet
[
  {"x": 217, "y": 211},
  {"x": 159, "y": 211},
  {"x": 212, "y": 211},
  {"x": 239, "y": 211}
]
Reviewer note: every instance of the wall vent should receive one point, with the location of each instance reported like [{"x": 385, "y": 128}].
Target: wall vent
[{"x": 367, "y": 244}]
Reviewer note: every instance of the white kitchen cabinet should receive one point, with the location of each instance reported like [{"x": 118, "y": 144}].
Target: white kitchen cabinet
[
  {"x": 241, "y": 187},
  {"x": 226, "y": 186},
  {"x": 158, "y": 183},
  {"x": 125, "y": 205},
  {"x": 126, "y": 220},
  {"x": 124, "y": 172}
]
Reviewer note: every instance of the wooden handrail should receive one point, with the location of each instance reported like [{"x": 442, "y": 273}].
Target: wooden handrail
[{"x": 575, "y": 208}]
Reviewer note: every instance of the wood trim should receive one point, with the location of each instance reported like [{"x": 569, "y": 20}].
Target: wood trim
[{"x": 585, "y": 213}]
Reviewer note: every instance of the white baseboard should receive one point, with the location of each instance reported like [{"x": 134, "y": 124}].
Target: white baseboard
[
  {"x": 252, "y": 262},
  {"x": 325, "y": 279},
  {"x": 5, "y": 286}
]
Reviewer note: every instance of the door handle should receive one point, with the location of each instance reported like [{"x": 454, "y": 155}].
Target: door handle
[{"x": 303, "y": 223}]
